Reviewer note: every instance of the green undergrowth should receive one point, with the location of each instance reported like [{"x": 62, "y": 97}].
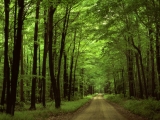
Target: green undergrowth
[
  {"x": 43, "y": 113},
  {"x": 147, "y": 108}
]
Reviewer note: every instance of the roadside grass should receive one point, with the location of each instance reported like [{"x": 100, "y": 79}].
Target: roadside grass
[
  {"x": 147, "y": 108},
  {"x": 42, "y": 113}
]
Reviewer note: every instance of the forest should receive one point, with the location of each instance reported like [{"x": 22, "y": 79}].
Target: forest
[{"x": 64, "y": 50}]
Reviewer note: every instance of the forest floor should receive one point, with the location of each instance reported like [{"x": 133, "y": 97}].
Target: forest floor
[{"x": 98, "y": 105}]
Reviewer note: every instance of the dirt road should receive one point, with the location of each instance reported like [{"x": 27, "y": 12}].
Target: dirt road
[{"x": 99, "y": 109}]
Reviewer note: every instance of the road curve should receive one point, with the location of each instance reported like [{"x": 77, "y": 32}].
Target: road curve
[{"x": 99, "y": 109}]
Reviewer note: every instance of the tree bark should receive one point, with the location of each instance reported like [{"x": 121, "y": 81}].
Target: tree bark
[
  {"x": 152, "y": 63},
  {"x": 65, "y": 77},
  {"x": 16, "y": 57},
  {"x": 75, "y": 67},
  {"x": 81, "y": 84},
  {"x": 139, "y": 76},
  {"x": 71, "y": 69},
  {"x": 130, "y": 73},
  {"x": 158, "y": 55},
  {"x": 115, "y": 84},
  {"x": 39, "y": 79},
  {"x": 51, "y": 56},
  {"x": 6, "y": 79},
  {"x": 124, "y": 89},
  {"x": 22, "y": 73},
  {"x": 44, "y": 60},
  {"x": 142, "y": 68},
  {"x": 34, "y": 73},
  {"x": 15, "y": 21},
  {"x": 64, "y": 32}
]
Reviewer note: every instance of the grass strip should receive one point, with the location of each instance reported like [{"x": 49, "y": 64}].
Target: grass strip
[
  {"x": 41, "y": 112},
  {"x": 148, "y": 108}
]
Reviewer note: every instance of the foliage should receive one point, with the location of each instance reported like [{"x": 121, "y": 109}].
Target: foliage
[
  {"x": 44, "y": 113},
  {"x": 98, "y": 46},
  {"x": 147, "y": 108},
  {"x": 114, "y": 98}
]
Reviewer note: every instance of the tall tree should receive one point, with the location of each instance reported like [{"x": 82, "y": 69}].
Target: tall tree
[
  {"x": 71, "y": 69},
  {"x": 51, "y": 12},
  {"x": 44, "y": 59},
  {"x": 139, "y": 76},
  {"x": 16, "y": 58},
  {"x": 75, "y": 68},
  {"x": 6, "y": 78},
  {"x": 152, "y": 62},
  {"x": 65, "y": 76},
  {"x": 63, "y": 38},
  {"x": 22, "y": 73},
  {"x": 35, "y": 57},
  {"x": 130, "y": 60},
  {"x": 157, "y": 30}
]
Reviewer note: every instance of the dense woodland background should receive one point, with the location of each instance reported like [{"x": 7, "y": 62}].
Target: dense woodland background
[{"x": 56, "y": 50}]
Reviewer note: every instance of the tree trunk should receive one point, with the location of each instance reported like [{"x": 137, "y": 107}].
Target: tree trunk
[
  {"x": 64, "y": 32},
  {"x": 39, "y": 79},
  {"x": 142, "y": 68},
  {"x": 51, "y": 57},
  {"x": 70, "y": 79},
  {"x": 65, "y": 77},
  {"x": 81, "y": 84},
  {"x": 22, "y": 73},
  {"x": 16, "y": 57},
  {"x": 158, "y": 55},
  {"x": 15, "y": 21},
  {"x": 144, "y": 78},
  {"x": 124, "y": 89},
  {"x": 130, "y": 73},
  {"x": 71, "y": 69},
  {"x": 115, "y": 85},
  {"x": 75, "y": 67},
  {"x": 34, "y": 73},
  {"x": 44, "y": 60},
  {"x": 139, "y": 76},
  {"x": 6, "y": 75},
  {"x": 152, "y": 62}
]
